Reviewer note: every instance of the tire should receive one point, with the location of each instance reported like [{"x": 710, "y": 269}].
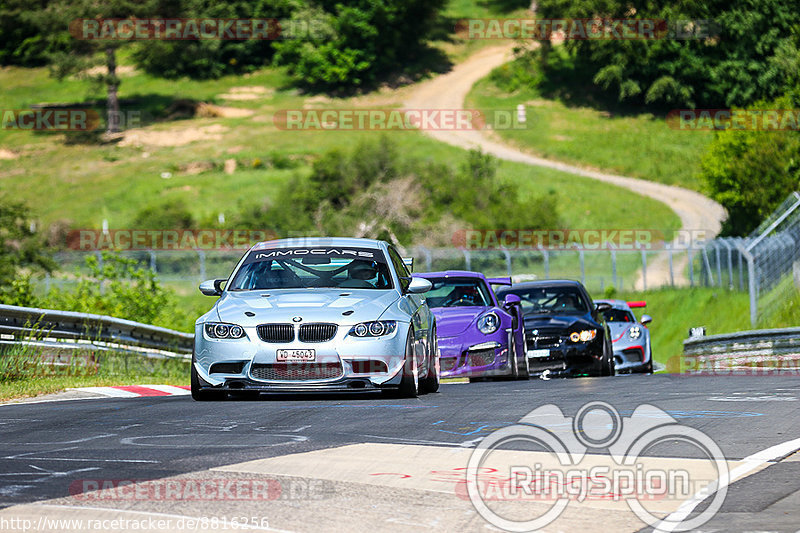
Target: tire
[
  {"x": 524, "y": 371},
  {"x": 409, "y": 384},
  {"x": 609, "y": 367},
  {"x": 199, "y": 395},
  {"x": 432, "y": 380}
]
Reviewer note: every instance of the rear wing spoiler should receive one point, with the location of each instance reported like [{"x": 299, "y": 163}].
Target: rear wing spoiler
[
  {"x": 640, "y": 303},
  {"x": 409, "y": 262},
  {"x": 499, "y": 281}
]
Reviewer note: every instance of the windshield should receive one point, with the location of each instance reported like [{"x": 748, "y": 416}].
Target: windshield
[
  {"x": 618, "y": 315},
  {"x": 551, "y": 301},
  {"x": 458, "y": 292},
  {"x": 299, "y": 268}
]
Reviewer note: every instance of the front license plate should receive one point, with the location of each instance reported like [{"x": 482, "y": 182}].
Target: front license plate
[
  {"x": 296, "y": 355},
  {"x": 538, "y": 353}
]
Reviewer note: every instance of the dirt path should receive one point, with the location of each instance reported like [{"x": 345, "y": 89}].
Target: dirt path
[{"x": 448, "y": 91}]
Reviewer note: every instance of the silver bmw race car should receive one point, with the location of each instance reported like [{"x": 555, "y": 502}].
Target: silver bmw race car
[
  {"x": 316, "y": 314},
  {"x": 630, "y": 338}
]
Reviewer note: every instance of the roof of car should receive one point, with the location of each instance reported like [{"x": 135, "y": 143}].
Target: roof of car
[
  {"x": 318, "y": 241},
  {"x": 618, "y": 304},
  {"x": 546, "y": 283},
  {"x": 451, "y": 274}
]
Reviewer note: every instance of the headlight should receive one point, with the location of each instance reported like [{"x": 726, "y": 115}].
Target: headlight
[
  {"x": 377, "y": 328},
  {"x": 488, "y": 323},
  {"x": 635, "y": 332},
  {"x": 217, "y": 330},
  {"x": 583, "y": 336}
]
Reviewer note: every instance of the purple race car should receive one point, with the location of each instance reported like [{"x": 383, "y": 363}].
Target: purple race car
[{"x": 478, "y": 336}]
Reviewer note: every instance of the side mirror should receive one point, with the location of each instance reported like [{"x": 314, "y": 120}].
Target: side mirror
[
  {"x": 419, "y": 285},
  {"x": 511, "y": 299},
  {"x": 646, "y": 319},
  {"x": 212, "y": 287},
  {"x": 602, "y": 307}
]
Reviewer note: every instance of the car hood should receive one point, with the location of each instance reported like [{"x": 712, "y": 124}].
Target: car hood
[
  {"x": 452, "y": 321},
  {"x": 551, "y": 322},
  {"x": 618, "y": 328},
  {"x": 317, "y": 305}
]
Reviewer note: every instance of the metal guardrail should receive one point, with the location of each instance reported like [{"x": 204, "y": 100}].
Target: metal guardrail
[
  {"x": 69, "y": 330},
  {"x": 757, "y": 350}
]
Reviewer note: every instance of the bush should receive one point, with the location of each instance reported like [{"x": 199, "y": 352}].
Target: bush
[
  {"x": 357, "y": 43},
  {"x": 751, "y": 172},
  {"x": 172, "y": 214},
  {"x": 374, "y": 192},
  {"x": 121, "y": 288}
]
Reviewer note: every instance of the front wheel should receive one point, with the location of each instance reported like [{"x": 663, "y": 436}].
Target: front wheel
[
  {"x": 409, "y": 384},
  {"x": 200, "y": 395},
  {"x": 431, "y": 381}
]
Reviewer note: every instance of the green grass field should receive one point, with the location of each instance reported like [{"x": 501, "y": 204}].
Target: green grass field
[
  {"x": 637, "y": 144},
  {"x": 674, "y": 311}
]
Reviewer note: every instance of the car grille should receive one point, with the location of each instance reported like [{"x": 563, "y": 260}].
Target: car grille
[
  {"x": 276, "y": 332},
  {"x": 448, "y": 363},
  {"x": 297, "y": 371},
  {"x": 481, "y": 357},
  {"x": 543, "y": 341},
  {"x": 317, "y": 332}
]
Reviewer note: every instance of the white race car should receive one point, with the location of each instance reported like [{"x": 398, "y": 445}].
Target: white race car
[{"x": 317, "y": 314}]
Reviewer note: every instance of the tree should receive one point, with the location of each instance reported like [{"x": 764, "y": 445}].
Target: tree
[
  {"x": 76, "y": 56},
  {"x": 750, "y": 53},
  {"x": 355, "y": 43},
  {"x": 751, "y": 172},
  {"x": 21, "y": 253}
]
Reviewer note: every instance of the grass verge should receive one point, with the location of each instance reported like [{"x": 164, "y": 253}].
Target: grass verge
[{"x": 27, "y": 371}]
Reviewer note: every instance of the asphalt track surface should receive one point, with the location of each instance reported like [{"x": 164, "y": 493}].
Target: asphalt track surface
[{"x": 371, "y": 453}]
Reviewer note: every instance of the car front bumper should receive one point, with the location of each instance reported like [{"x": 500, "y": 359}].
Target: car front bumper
[
  {"x": 345, "y": 363},
  {"x": 487, "y": 358},
  {"x": 567, "y": 357}
]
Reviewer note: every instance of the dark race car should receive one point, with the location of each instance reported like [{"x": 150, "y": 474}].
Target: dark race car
[
  {"x": 564, "y": 330},
  {"x": 630, "y": 338}
]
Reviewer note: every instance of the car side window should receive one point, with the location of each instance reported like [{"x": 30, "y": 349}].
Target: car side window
[{"x": 400, "y": 267}]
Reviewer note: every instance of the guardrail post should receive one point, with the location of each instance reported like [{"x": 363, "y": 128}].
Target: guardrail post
[
  {"x": 201, "y": 256},
  {"x": 546, "y": 256},
  {"x": 428, "y": 259},
  {"x": 582, "y": 260},
  {"x": 708, "y": 268},
  {"x": 508, "y": 261},
  {"x": 691, "y": 267},
  {"x": 719, "y": 266},
  {"x": 467, "y": 259},
  {"x": 751, "y": 282},
  {"x": 152, "y": 255},
  {"x": 614, "y": 267},
  {"x": 671, "y": 267},
  {"x": 644, "y": 269}
]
